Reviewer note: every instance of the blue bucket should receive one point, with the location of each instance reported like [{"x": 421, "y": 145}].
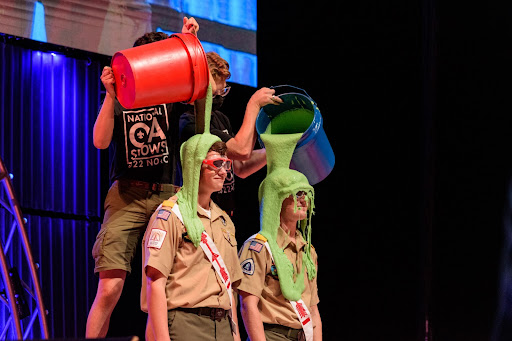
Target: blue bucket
[{"x": 313, "y": 155}]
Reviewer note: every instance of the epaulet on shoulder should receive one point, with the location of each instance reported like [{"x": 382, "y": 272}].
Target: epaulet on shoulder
[
  {"x": 168, "y": 203},
  {"x": 261, "y": 237}
]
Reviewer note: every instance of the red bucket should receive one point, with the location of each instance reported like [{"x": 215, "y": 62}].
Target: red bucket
[{"x": 166, "y": 71}]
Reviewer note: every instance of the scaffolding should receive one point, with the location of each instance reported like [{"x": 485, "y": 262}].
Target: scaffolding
[{"x": 15, "y": 289}]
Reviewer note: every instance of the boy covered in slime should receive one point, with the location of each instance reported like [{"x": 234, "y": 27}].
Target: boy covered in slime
[
  {"x": 190, "y": 262},
  {"x": 279, "y": 301}
]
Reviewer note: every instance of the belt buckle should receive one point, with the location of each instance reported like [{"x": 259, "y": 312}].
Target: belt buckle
[{"x": 217, "y": 314}]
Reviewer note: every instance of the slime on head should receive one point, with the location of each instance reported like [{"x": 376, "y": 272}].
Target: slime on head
[
  {"x": 280, "y": 183},
  {"x": 192, "y": 153}
]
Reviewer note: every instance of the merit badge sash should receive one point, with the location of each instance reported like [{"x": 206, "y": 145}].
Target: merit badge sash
[
  {"x": 299, "y": 306},
  {"x": 213, "y": 255}
]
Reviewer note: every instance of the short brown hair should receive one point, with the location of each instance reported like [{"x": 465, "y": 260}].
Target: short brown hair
[
  {"x": 219, "y": 147},
  {"x": 218, "y": 66},
  {"x": 150, "y": 37}
]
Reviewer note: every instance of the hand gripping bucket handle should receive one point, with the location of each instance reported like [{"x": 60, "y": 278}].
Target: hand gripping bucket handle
[
  {"x": 313, "y": 156},
  {"x": 279, "y": 93}
]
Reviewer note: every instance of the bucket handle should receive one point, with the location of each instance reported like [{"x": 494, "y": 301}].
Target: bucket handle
[{"x": 291, "y": 86}]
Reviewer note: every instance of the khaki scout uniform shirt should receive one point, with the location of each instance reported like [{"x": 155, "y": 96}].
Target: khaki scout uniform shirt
[
  {"x": 192, "y": 282},
  {"x": 261, "y": 279}
]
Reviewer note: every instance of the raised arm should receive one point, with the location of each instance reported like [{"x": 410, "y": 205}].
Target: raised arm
[
  {"x": 104, "y": 125},
  {"x": 240, "y": 147}
]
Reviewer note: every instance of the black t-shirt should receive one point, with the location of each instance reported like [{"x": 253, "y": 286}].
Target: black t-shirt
[
  {"x": 221, "y": 127},
  {"x": 145, "y": 143}
]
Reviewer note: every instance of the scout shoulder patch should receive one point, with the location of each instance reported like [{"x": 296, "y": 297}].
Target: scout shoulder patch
[
  {"x": 163, "y": 214},
  {"x": 156, "y": 238},
  {"x": 248, "y": 266},
  {"x": 256, "y": 246}
]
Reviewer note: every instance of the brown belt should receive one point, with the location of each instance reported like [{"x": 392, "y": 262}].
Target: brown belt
[
  {"x": 295, "y": 334},
  {"x": 214, "y": 313},
  {"x": 154, "y": 187}
]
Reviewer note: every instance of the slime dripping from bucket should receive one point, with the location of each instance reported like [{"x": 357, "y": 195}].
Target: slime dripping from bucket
[
  {"x": 280, "y": 183},
  {"x": 192, "y": 153},
  {"x": 313, "y": 155}
]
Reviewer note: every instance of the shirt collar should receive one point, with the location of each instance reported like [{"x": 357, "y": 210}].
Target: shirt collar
[
  {"x": 215, "y": 211},
  {"x": 283, "y": 240}
]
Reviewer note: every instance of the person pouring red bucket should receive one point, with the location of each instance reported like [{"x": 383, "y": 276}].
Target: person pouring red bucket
[{"x": 138, "y": 120}]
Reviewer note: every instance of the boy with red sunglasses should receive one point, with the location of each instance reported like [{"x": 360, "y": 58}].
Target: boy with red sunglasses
[{"x": 190, "y": 262}]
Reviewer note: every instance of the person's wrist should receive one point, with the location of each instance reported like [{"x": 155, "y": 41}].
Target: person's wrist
[
  {"x": 111, "y": 95},
  {"x": 253, "y": 104}
]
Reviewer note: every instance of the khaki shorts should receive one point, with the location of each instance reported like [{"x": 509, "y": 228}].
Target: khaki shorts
[{"x": 127, "y": 213}]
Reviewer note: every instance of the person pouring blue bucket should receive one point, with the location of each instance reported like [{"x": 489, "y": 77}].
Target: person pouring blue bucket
[{"x": 313, "y": 155}]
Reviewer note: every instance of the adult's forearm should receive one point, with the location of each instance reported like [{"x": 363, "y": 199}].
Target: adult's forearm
[
  {"x": 241, "y": 146},
  {"x": 257, "y": 160}
]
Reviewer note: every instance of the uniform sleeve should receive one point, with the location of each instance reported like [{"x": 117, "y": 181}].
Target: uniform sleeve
[
  {"x": 162, "y": 241},
  {"x": 253, "y": 261},
  {"x": 314, "y": 288}
]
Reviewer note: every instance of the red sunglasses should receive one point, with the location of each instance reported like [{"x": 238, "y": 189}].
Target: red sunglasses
[{"x": 218, "y": 163}]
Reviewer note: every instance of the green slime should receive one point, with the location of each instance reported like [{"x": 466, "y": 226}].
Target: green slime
[
  {"x": 290, "y": 121},
  {"x": 279, "y": 184},
  {"x": 192, "y": 153}
]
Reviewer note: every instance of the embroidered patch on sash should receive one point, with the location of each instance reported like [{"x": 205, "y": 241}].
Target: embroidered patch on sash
[
  {"x": 255, "y": 246},
  {"x": 248, "y": 266},
  {"x": 156, "y": 238},
  {"x": 163, "y": 214}
]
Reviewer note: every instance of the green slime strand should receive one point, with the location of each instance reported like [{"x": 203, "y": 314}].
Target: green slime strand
[
  {"x": 192, "y": 153},
  {"x": 280, "y": 183}
]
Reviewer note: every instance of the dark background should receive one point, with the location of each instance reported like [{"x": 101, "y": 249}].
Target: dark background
[{"x": 415, "y": 100}]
